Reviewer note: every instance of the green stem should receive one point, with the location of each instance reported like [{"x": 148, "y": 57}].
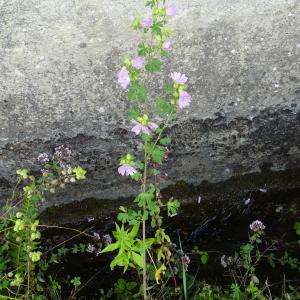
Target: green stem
[{"x": 144, "y": 224}]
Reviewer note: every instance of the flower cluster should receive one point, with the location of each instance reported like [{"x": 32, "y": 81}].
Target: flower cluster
[
  {"x": 257, "y": 226},
  {"x": 186, "y": 261},
  {"x": 43, "y": 158}
]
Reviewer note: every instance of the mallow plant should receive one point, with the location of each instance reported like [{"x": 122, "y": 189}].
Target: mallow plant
[{"x": 149, "y": 117}]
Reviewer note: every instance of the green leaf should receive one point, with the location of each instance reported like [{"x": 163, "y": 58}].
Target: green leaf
[
  {"x": 111, "y": 247},
  {"x": 138, "y": 259},
  {"x": 79, "y": 173},
  {"x": 165, "y": 141},
  {"x": 136, "y": 176},
  {"x": 158, "y": 154},
  {"x": 204, "y": 258},
  {"x": 156, "y": 28},
  {"x": 297, "y": 228},
  {"x": 137, "y": 92},
  {"x": 154, "y": 65},
  {"x": 23, "y": 174},
  {"x": 134, "y": 112},
  {"x": 144, "y": 50},
  {"x": 173, "y": 206},
  {"x": 162, "y": 107},
  {"x": 134, "y": 231}
]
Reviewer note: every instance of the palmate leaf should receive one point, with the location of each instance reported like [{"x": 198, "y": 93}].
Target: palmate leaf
[
  {"x": 156, "y": 28},
  {"x": 157, "y": 154},
  {"x": 137, "y": 92},
  {"x": 162, "y": 107},
  {"x": 165, "y": 141},
  {"x": 154, "y": 65},
  {"x": 134, "y": 112},
  {"x": 173, "y": 206}
]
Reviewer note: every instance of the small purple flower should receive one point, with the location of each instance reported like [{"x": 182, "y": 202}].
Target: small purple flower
[
  {"x": 147, "y": 22},
  {"x": 171, "y": 10},
  {"x": 152, "y": 126},
  {"x": 247, "y": 201},
  {"x": 138, "y": 63},
  {"x": 199, "y": 199},
  {"x": 43, "y": 158},
  {"x": 186, "y": 261},
  {"x": 257, "y": 226},
  {"x": 175, "y": 270},
  {"x": 179, "y": 78},
  {"x": 126, "y": 170},
  {"x": 167, "y": 45},
  {"x": 123, "y": 78},
  {"x": 263, "y": 190},
  {"x": 106, "y": 239},
  {"x": 184, "y": 99}
]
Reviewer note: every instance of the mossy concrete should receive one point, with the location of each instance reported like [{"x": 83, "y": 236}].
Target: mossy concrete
[{"x": 58, "y": 86}]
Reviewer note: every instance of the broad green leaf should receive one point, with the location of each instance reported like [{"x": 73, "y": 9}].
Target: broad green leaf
[
  {"x": 134, "y": 231},
  {"x": 138, "y": 259},
  {"x": 111, "y": 247}
]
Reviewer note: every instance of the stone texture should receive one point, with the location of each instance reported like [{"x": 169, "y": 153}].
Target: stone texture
[{"x": 58, "y": 86}]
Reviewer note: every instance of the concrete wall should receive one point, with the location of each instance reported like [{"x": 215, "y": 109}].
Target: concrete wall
[{"x": 58, "y": 86}]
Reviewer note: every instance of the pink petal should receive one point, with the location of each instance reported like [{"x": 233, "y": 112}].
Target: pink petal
[
  {"x": 137, "y": 129},
  {"x": 184, "y": 99},
  {"x": 145, "y": 130},
  {"x": 130, "y": 170},
  {"x": 122, "y": 170},
  {"x": 152, "y": 126}
]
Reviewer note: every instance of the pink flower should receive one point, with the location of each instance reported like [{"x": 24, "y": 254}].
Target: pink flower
[
  {"x": 146, "y": 23},
  {"x": 138, "y": 128},
  {"x": 179, "y": 78},
  {"x": 126, "y": 170},
  {"x": 152, "y": 126},
  {"x": 171, "y": 9},
  {"x": 184, "y": 99},
  {"x": 138, "y": 62},
  {"x": 167, "y": 45},
  {"x": 123, "y": 78}
]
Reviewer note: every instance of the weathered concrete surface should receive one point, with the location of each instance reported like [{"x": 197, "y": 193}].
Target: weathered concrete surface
[{"x": 58, "y": 86}]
